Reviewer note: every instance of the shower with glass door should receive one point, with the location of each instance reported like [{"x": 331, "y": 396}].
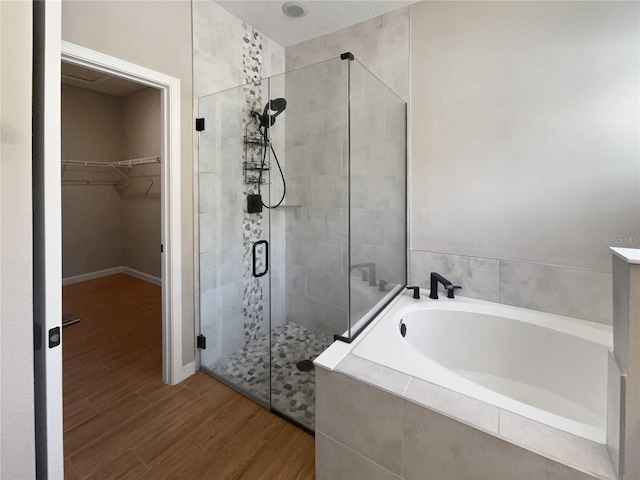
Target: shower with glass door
[{"x": 302, "y": 221}]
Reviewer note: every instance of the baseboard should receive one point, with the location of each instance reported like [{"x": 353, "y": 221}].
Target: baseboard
[
  {"x": 91, "y": 275},
  {"x": 145, "y": 277}
]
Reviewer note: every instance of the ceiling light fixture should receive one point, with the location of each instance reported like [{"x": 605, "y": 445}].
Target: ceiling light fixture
[{"x": 294, "y": 9}]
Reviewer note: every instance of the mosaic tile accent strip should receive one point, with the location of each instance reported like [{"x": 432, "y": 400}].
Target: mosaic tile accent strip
[
  {"x": 253, "y": 296},
  {"x": 292, "y": 391}
]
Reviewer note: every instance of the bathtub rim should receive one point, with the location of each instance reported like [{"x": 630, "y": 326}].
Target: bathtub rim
[{"x": 575, "y": 451}]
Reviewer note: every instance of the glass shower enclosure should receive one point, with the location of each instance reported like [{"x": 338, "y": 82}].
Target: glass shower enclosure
[{"x": 302, "y": 224}]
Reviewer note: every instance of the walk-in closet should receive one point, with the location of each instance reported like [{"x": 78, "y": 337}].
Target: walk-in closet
[{"x": 111, "y": 240}]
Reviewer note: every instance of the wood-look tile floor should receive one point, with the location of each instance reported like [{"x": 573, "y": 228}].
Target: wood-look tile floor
[{"x": 121, "y": 421}]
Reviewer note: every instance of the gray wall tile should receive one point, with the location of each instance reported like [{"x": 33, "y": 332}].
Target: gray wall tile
[
  {"x": 369, "y": 226},
  {"x": 328, "y": 288},
  {"x": 334, "y": 319},
  {"x": 631, "y": 366},
  {"x": 477, "y": 276},
  {"x": 338, "y": 462},
  {"x": 306, "y": 312},
  {"x": 296, "y": 280},
  {"x": 390, "y": 263},
  {"x": 565, "y": 291},
  {"x": 621, "y": 291},
  {"x": 439, "y": 447},
  {"x": 456, "y": 405},
  {"x": 586, "y": 455},
  {"x": 377, "y": 375},
  {"x": 318, "y": 255},
  {"x": 321, "y": 162},
  {"x": 336, "y": 223},
  {"x": 328, "y": 191},
  {"x": 374, "y": 431},
  {"x": 615, "y": 411},
  {"x": 366, "y": 192}
]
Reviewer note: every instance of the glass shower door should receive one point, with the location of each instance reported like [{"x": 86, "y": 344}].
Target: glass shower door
[
  {"x": 234, "y": 240},
  {"x": 309, "y": 230}
]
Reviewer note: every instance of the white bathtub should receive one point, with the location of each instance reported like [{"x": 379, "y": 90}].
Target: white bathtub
[{"x": 545, "y": 367}]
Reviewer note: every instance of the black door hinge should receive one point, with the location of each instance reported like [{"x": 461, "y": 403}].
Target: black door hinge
[
  {"x": 201, "y": 342},
  {"x": 199, "y": 124},
  {"x": 347, "y": 56},
  {"x": 161, "y": 248}
]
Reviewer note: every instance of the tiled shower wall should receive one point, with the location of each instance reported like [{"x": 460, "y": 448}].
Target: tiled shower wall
[
  {"x": 380, "y": 43},
  {"x": 317, "y": 157},
  {"x": 227, "y": 54},
  {"x": 556, "y": 284},
  {"x": 317, "y": 290}
]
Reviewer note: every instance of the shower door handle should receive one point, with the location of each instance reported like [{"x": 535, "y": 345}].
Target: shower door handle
[{"x": 266, "y": 258}]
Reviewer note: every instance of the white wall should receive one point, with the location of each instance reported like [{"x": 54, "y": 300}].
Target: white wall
[
  {"x": 17, "y": 443},
  {"x": 157, "y": 35},
  {"x": 525, "y": 148}
]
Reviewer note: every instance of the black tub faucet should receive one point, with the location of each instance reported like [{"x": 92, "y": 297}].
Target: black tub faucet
[
  {"x": 416, "y": 291},
  {"x": 367, "y": 267},
  {"x": 435, "y": 278}
]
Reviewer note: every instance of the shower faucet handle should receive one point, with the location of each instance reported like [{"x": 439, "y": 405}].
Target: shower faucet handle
[{"x": 416, "y": 291}]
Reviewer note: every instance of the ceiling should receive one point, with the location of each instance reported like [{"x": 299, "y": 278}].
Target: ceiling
[
  {"x": 322, "y": 16},
  {"x": 88, "y": 79}
]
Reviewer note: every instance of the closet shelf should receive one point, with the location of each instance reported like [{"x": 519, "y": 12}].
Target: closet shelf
[
  {"x": 122, "y": 163},
  {"x": 121, "y": 185}
]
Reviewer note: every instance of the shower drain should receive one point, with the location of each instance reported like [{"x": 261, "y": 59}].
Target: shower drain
[{"x": 305, "y": 365}]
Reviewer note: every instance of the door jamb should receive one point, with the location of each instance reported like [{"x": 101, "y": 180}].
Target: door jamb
[{"x": 171, "y": 229}]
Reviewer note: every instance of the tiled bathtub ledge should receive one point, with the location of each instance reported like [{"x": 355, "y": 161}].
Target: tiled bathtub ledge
[{"x": 564, "y": 448}]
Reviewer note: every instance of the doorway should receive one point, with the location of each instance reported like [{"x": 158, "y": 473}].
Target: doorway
[
  {"x": 47, "y": 225},
  {"x": 111, "y": 260},
  {"x": 170, "y": 246}
]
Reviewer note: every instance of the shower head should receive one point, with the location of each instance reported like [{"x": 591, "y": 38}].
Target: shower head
[
  {"x": 266, "y": 119},
  {"x": 278, "y": 105}
]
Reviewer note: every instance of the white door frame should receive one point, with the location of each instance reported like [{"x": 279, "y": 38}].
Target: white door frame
[{"x": 171, "y": 229}]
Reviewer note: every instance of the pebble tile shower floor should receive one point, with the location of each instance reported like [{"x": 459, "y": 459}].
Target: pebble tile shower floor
[{"x": 292, "y": 391}]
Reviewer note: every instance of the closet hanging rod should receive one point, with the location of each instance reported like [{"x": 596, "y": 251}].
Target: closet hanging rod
[{"x": 121, "y": 163}]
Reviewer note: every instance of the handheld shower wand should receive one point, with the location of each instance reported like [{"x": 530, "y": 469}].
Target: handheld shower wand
[{"x": 266, "y": 120}]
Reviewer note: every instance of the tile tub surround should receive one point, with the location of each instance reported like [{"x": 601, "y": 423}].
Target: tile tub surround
[
  {"x": 548, "y": 448},
  {"x": 412, "y": 429},
  {"x": 567, "y": 291},
  {"x": 624, "y": 441}
]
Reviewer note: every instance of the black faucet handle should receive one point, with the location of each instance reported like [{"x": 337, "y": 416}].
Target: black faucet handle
[
  {"x": 416, "y": 291},
  {"x": 450, "y": 290}
]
